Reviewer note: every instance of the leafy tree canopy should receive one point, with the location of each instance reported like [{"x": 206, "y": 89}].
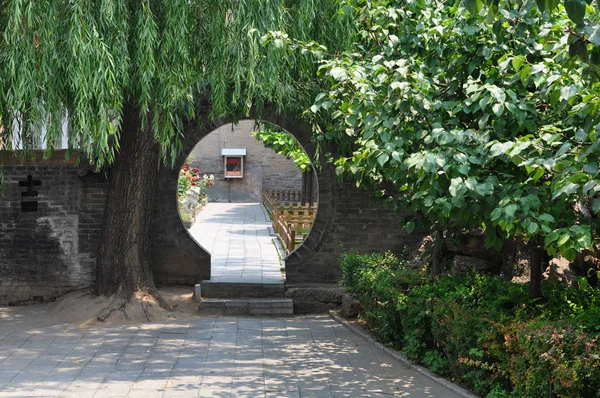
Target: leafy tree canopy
[
  {"x": 80, "y": 62},
  {"x": 286, "y": 145},
  {"x": 483, "y": 116}
]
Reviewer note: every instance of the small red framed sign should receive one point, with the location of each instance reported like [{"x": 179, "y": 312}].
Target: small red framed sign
[{"x": 233, "y": 162}]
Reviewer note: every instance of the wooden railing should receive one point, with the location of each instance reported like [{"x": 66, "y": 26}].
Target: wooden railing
[
  {"x": 291, "y": 220},
  {"x": 271, "y": 198},
  {"x": 286, "y": 233}
]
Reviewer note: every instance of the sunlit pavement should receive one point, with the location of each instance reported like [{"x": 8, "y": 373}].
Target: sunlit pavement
[
  {"x": 237, "y": 237},
  {"x": 305, "y": 356}
]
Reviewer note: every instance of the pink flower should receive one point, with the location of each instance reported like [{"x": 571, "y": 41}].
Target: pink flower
[
  {"x": 193, "y": 183},
  {"x": 185, "y": 168},
  {"x": 195, "y": 170}
]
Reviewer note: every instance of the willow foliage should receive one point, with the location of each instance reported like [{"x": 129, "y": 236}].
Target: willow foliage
[{"x": 80, "y": 62}]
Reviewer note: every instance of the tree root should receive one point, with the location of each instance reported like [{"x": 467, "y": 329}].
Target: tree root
[
  {"x": 144, "y": 304},
  {"x": 120, "y": 300},
  {"x": 117, "y": 304},
  {"x": 164, "y": 304}
]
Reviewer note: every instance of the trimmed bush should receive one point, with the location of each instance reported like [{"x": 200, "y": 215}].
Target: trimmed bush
[{"x": 481, "y": 331}]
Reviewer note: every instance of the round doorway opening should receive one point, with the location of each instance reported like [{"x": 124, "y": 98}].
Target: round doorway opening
[{"x": 248, "y": 194}]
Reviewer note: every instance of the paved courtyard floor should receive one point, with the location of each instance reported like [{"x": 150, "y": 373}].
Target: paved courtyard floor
[
  {"x": 237, "y": 237},
  {"x": 303, "y": 356}
]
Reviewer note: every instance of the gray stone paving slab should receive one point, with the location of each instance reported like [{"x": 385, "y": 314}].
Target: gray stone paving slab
[
  {"x": 237, "y": 237},
  {"x": 207, "y": 356}
]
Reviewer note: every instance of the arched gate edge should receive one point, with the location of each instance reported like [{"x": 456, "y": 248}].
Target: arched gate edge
[{"x": 177, "y": 258}]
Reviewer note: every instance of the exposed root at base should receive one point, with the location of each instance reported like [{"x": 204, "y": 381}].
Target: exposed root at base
[
  {"x": 144, "y": 305},
  {"x": 117, "y": 304},
  {"x": 151, "y": 303}
]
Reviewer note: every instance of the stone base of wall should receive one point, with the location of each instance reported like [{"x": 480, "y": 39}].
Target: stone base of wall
[{"x": 314, "y": 298}]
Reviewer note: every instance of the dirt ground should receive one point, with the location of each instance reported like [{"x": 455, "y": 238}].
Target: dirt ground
[{"x": 81, "y": 308}]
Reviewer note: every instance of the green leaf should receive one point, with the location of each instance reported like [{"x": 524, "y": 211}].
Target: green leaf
[
  {"x": 546, "y": 5},
  {"x": 517, "y": 62},
  {"x": 581, "y": 135},
  {"x": 566, "y": 189},
  {"x": 588, "y": 186},
  {"x": 570, "y": 254},
  {"x": 532, "y": 228},
  {"x": 578, "y": 177},
  {"x": 551, "y": 237},
  {"x": 578, "y": 48},
  {"x": 338, "y": 73},
  {"x": 511, "y": 209},
  {"x": 524, "y": 73},
  {"x": 596, "y": 206},
  {"x": 410, "y": 226},
  {"x": 496, "y": 214},
  {"x": 474, "y": 6},
  {"x": 546, "y": 217},
  {"x": 498, "y": 109},
  {"x": 563, "y": 149},
  {"x": 563, "y": 239},
  {"x": 576, "y": 10},
  {"x": 382, "y": 159},
  {"x": 593, "y": 32},
  {"x": 591, "y": 168},
  {"x": 541, "y": 4},
  {"x": 500, "y": 148},
  {"x": 567, "y": 92}
]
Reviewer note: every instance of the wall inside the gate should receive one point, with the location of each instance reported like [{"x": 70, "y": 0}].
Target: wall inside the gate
[
  {"x": 263, "y": 167},
  {"x": 52, "y": 251}
]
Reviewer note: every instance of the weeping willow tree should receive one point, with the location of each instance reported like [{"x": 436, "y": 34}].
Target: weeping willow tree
[{"x": 121, "y": 78}]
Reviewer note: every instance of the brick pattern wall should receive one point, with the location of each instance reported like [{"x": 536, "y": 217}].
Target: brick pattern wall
[
  {"x": 348, "y": 218},
  {"x": 263, "y": 167},
  {"x": 50, "y": 252}
]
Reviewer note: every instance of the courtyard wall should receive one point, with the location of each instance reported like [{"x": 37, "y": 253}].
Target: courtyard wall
[
  {"x": 49, "y": 252},
  {"x": 263, "y": 167}
]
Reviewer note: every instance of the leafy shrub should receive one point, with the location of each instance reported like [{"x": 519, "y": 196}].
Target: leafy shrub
[
  {"x": 480, "y": 330},
  {"x": 189, "y": 178}
]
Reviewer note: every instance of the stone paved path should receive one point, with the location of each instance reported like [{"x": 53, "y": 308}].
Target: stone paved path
[
  {"x": 304, "y": 356},
  {"x": 237, "y": 237}
]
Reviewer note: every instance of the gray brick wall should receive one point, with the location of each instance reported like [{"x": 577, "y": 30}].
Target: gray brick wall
[
  {"x": 52, "y": 251},
  {"x": 347, "y": 216},
  {"x": 263, "y": 167},
  {"x": 47, "y": 253}
]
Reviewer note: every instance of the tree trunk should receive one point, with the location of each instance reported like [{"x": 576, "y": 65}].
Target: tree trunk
[
  {"x": 123, "y": 266},
  {"x": 436, "y": 256},
  {"x": 536, "y": 255}
]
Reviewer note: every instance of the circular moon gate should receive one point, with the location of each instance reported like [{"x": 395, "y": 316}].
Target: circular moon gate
[{"x": 346, "y": 218}]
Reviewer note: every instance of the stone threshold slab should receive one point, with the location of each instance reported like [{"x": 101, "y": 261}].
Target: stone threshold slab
[
  {"x": 247, "y": 306},
  {"x": 212, "y": 289}
]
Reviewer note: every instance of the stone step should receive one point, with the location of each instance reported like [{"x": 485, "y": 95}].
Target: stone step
[
  {"x": 212, "y": 289},
  {"x": 246, "y": 306}
]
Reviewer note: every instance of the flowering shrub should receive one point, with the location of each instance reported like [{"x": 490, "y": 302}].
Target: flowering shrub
[
  {"x": 191, "y": 178},
  {"x": 481, "y": 330}
]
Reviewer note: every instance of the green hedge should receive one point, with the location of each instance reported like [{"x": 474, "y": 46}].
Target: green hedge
[{"x": 481, "y": 331}]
